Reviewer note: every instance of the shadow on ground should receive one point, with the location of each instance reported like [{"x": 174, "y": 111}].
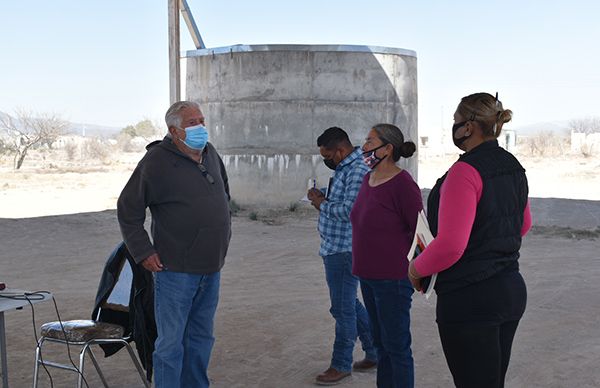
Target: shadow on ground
[{"x": 273, "y": 328}]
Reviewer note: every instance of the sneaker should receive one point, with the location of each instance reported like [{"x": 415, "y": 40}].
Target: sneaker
[
  {"x": 331, "y": 376},
  {"x": 364, "y": 365}
]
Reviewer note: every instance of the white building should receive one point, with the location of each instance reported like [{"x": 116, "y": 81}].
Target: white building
[{"x": 585, "y": 143}]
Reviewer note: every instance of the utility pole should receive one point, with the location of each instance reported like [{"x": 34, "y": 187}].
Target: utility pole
[{"x": 174, "y": 61}]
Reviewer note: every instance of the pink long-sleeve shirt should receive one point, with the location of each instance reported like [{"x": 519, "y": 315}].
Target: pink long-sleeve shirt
[{"x": 462, "y": 185}]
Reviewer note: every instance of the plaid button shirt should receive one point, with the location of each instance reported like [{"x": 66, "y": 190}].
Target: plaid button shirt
[{"x": 334, "y": 220}]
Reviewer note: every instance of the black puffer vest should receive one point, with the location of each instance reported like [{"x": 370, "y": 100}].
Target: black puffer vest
[{"x": 495, "y": 238}]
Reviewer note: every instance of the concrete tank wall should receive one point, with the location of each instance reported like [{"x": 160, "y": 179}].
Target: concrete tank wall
[{"x": 266, "y": 105}]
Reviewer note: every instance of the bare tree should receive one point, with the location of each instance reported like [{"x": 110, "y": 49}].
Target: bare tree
[
  {"x": 586, "y": 130},
  {"x": 27, "y": 130},
  {"x": 547, "y": 143},
  {"x": 588, "y": 125}
]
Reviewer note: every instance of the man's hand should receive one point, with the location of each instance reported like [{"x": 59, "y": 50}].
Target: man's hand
[
  {"x": 152, "y": 263},
  {"x": 316, "y": 197}
]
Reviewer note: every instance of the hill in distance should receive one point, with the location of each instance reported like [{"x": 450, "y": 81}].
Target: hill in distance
[
  {"x": 83, "y": 129},
  {"x": 93, "y": 130},
  {"x": 559, "y": 128}
]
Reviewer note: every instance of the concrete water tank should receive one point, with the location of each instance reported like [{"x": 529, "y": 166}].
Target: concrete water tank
[{"x": 265, "y": 106}]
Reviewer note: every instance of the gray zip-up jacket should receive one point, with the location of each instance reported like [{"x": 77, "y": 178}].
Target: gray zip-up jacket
[{"x": 191, "y": 221}]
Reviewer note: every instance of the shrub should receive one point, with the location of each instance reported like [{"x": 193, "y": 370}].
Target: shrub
[
  {"x": 71, "y": 150},
  {"x": 547, "y": 143},
  {"x": 234, "y": 207},
  {"x": 96, "y": 149},
  {"x": 124, "y": 142}
]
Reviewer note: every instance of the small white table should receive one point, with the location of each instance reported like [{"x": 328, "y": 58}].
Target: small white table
[{"x": 12, "y": 299}]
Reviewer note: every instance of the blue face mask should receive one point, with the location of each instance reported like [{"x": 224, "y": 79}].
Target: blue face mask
[{"x": 196, "y": 137}]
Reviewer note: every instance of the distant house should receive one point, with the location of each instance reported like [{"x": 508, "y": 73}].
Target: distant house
[
  {"x": 62, "y": 141},
  {"x": 585, "y": 143},
  {"x": 508, "y": 140}
]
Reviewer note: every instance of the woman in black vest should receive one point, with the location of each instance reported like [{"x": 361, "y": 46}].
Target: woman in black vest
[{"x": 478, "y": 212}]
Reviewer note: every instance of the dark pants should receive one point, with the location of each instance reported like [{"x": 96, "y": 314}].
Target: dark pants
[
  {"x": 388, "y": 304},
  {"x": 477, "y": 325}
]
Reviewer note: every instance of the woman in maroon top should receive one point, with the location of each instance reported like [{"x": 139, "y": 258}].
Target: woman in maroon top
[{"x": 384, "y": 219}]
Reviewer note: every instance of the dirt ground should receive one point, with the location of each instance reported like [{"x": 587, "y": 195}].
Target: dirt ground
[{"x": 273, "y": 328}]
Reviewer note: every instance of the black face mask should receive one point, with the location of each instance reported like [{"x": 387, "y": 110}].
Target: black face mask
[
  {"x": 330, "y": 163},
  {"x": 456, "y": 127},
  {"x": 372, "y": 160}
]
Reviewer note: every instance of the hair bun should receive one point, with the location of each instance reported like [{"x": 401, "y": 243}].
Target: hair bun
[
  {"x": 504, "y": 116},
  {"x": 408, "y": 149}
]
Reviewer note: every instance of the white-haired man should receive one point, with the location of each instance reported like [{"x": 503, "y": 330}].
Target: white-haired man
[{"x": 182, "y": 180}]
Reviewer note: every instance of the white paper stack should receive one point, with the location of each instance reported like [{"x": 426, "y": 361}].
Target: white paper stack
[{"x": 423, "y": 238}]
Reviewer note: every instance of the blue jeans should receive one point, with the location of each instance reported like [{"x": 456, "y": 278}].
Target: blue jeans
[
  {"x": 351, "y": 319},
  {"x": 388, "y": 304},
  {"x": 184, "y": 307}
]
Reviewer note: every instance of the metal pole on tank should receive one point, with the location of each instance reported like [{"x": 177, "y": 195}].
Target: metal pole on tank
[{"x": 174, "y": 65}]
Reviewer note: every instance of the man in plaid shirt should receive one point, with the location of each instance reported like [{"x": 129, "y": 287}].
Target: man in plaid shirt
[{"x": 351, "y": 319}]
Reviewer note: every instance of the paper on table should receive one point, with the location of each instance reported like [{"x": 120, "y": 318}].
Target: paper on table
[{"x": 423, "y": 238}]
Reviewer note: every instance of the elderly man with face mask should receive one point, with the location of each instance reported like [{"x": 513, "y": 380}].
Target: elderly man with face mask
[
  {"x": 182, "y": 180},
  {"x": 351, "y": 319}
]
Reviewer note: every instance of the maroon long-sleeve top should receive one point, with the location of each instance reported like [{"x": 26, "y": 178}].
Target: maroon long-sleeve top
[{"x": 384, "y": 219}]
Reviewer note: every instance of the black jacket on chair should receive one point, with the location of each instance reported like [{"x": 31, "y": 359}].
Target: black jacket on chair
[{"x": 139, "y": 322}]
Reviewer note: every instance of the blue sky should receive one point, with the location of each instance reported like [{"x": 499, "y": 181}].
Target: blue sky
[{"x": 105, "y": 62}]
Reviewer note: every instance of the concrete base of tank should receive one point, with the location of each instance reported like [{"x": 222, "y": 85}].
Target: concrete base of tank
[{"x": 266, "y": 105}]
